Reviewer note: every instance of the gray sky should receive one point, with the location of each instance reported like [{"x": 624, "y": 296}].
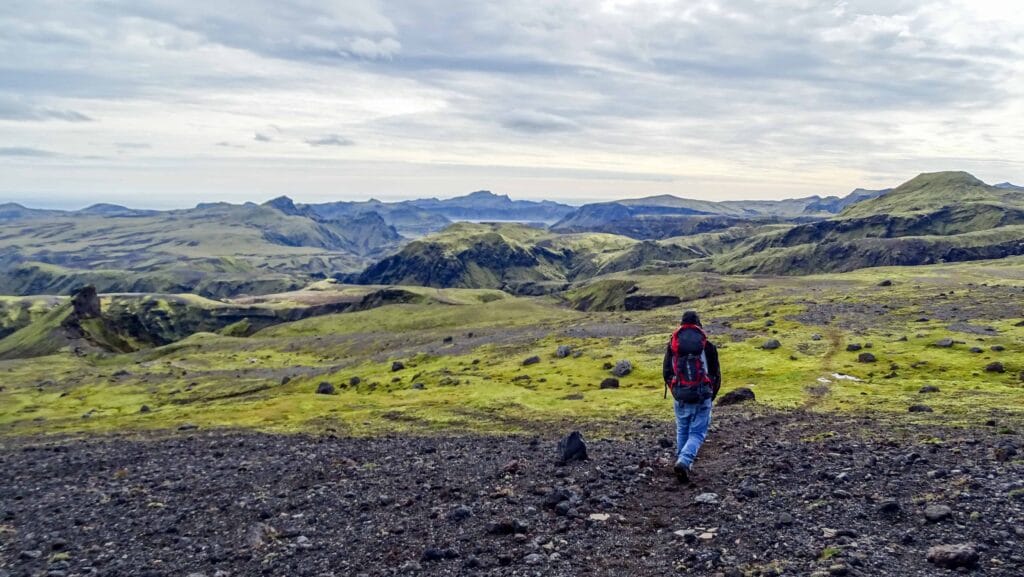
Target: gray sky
[{"x": 158, "y": 103}]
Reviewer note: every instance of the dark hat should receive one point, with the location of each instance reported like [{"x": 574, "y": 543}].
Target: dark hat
[{"x": 691, "y": 318}]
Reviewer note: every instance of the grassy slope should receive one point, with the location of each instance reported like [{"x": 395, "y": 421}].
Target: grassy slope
[
  {"x": 478, "y": 382},
  {"x": 225, "y": 244},
  {"x": 931, "y": 191}
]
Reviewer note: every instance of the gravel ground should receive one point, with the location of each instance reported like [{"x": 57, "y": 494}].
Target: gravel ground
[{"x": 774, "y": 494}]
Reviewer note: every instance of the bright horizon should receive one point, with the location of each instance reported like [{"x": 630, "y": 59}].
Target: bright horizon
[{"x": 157, "y": 104}]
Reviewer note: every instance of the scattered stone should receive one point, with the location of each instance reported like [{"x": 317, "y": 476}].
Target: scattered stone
[
  {"x": 354, "y": 381},
  {"x": 285, "y": 380},
  {"x": 432, "y": 554},
  {"x": 531, "y": 360},
  {"x": 563, "y": 351},
  {"x": 995, "y": 367},
  {"x": 259, "y": 535},
  {"x": 572, "y": 448},
  {"x": 853, "y": 347},
  {"x": 937, "y": 513},
  {"x": 622, "y": 368},
  {"x": 784, "y": 520},
  {"x": 815, "y": 337},
  {"x": 736, "y": 396},
  {"x": 771, "y": 344},
  {"x": 997, "y": 348},
  {"x": 953, "y": 556},
  {"x": 976, "y": 350},
  {"x": 688, "y": 535},
  {"x": 448, "y": 340},
  {"x": 886, "y": 282},
  {"x": 508, "y": 527},
  {"x": 769, "y": 323},
  {"x": 944, "y": 343},
  {"x": 419, "y": 386},
  {"x": 920, "y": 409},
  {"x": 610, "y": 383},
  {"x": 664, "y": 443},
  {"x": 928, "y": 389},
  {"x": 889, "y": 507},
  {"x": 599, "y": 516},
  {"x": 1004, "y": 452},
  {"x": 144, "y": 409},
  {"x": 188, "y": 427},
  {"x": 325, "y": 388},
  {"x": 866, "y": 358},
  {"x": 534, "y": 559},
  {"x": 707, "y": 498},
  {"x": 460, "y": 513},
  {"x": 397, "y": 366}
]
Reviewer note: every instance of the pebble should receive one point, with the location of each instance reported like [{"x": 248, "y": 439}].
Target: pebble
[
  {"x": 707, "y": 498},
  {"x": 936, "y": 513},
  {"x": 534, "y": 559}
]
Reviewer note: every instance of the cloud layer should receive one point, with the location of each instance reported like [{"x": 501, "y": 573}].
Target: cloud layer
[{"x": 577, "y": 99}]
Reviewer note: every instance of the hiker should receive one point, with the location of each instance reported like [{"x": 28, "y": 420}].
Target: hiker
[{"x": 692, "y": 373}]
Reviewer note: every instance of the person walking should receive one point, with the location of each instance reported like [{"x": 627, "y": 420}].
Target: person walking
[{"x": 693, "y": 375}]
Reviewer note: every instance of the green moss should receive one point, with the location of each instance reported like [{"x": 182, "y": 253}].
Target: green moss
[{"x": 267, "y": 381}]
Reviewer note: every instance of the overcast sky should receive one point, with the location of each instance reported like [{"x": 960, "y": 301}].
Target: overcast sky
[{"x": 159, "y": 103}]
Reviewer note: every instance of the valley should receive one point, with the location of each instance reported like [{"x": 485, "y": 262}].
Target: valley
[{"x": 294, "y": 368}]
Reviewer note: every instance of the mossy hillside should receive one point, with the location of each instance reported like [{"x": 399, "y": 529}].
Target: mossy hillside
[
  {"x": 931, "y": 191},
  {"x": 267, "y": 381}
]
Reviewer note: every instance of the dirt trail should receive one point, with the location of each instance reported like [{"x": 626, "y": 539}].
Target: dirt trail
[{"x": 793, "y": 494}]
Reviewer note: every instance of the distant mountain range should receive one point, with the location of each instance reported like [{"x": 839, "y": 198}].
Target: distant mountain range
[
  {"x": 938, "y": 217},
  {"x": 667, "y": 216},
  {"x": 221, "y": 249}
]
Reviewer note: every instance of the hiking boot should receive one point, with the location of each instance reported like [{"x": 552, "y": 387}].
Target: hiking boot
[{"x": 682, "y": 472}]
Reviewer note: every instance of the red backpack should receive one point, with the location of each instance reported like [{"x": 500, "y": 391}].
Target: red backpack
[{"x": 690, "y": 383}]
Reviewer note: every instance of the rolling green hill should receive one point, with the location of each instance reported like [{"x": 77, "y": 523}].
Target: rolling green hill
[
  {"x": 933, "y": 218},
  {"x": 517, "y": 258},
  {"x": 214, "y": 250}
]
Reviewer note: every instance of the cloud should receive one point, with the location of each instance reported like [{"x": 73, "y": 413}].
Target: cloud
[
  {"x": 14, "y": 108},
  {"x": 330, "y": 140},
  {"x": 822, "y": 97},
  {"x": 133, "y": 145},
  {"x": 226, "y": 144},
  {"x": 532, "y": 121},
  {"x": 26, "y": 152}
]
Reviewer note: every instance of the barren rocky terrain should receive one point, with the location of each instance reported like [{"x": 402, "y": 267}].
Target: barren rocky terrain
[{"x": 775, "y": 493}]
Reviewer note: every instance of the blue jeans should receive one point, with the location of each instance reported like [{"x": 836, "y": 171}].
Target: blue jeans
[{"x": 692, "y": 422}]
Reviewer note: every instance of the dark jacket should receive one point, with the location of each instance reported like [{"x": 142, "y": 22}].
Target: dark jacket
[{"x": 714, "y": 369}]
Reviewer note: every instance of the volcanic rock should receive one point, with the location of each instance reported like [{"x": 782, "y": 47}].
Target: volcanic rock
[
  {"x": 622, "y": 368},
  {"x": 572, "y": 448},
  {"x": 995, "y": 367},
  {"x": 736, "y": 396},
  {"x": 953, "y": 556},
  {"x": 936, "y": 513}
]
